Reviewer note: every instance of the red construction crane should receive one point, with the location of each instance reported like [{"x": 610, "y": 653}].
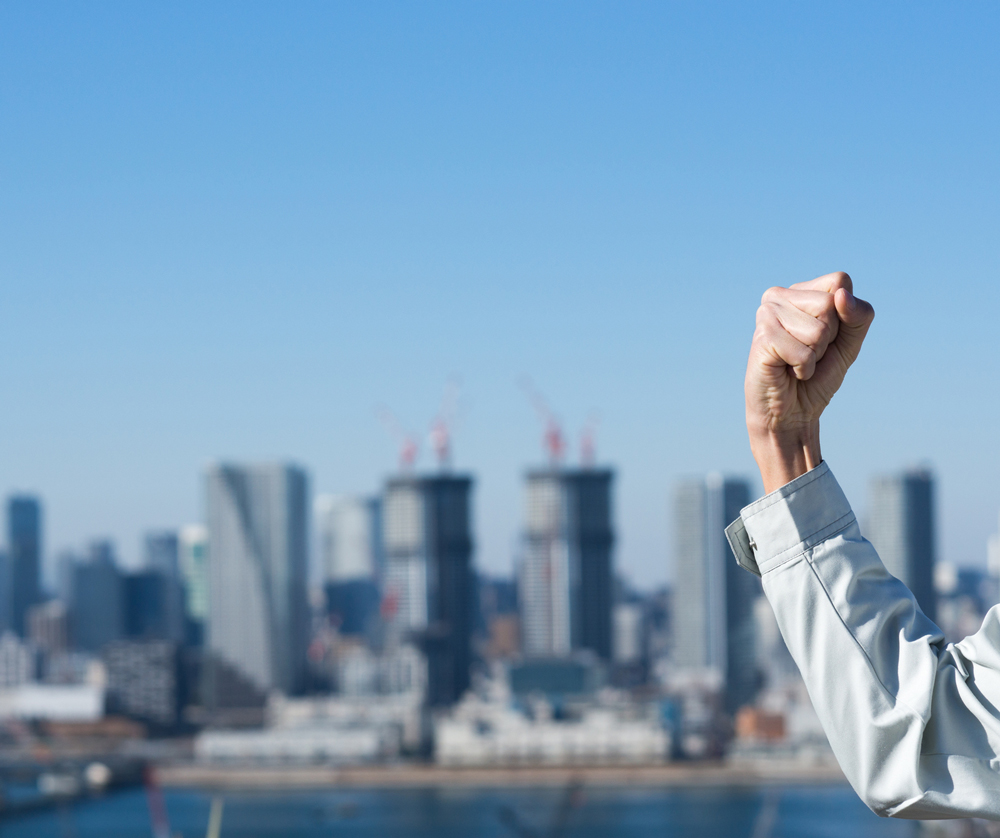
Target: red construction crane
[
  {"x": 588, "y": 441},
  {"x": 409, "y": 448},
  {"x": 552, "y": 439},
  {"x": 443, "y": 425}
]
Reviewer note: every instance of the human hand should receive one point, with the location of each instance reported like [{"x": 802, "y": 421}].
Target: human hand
[{"x": 807, "y": 337}]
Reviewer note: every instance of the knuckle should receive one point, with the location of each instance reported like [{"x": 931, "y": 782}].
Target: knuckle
[
  {"x": 807, "y": 355},
  {"x": 772, "y": 294},
  {"x": 766, "y": 313},
  {"x": 818, "y": 333},
  {"x": 842, "y": 280}
]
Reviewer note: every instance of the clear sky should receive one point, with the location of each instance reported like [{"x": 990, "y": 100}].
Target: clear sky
[{"x": 232, "y": 230}]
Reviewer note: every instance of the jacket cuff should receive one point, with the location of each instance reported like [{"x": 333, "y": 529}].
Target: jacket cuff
[{"x": 784, "y": 524}]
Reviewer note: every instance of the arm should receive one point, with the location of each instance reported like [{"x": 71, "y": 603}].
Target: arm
[{"x": 909, "y": 718}]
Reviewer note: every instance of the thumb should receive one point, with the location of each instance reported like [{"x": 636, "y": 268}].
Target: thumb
[{"x": 856, "y": 317}]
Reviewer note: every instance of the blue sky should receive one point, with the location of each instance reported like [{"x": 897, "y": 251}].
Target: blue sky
[{"x": 233, "y": 230}]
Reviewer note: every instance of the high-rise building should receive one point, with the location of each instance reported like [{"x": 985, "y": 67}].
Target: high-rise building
[
  {"x": 97, "y": 614},
  {"x": 24, "y": 543},
  {"x": 349, "y": 538},
  {"x": 258, "y": 536},
  {"x": 428, "y": 577},
  {"x": 192, "y": 546},
  {"x": 163, "y": 553},
  {"x": 901, "y": 528},
  {"x": 48, "y": 627},
  {"x": 993, "y": 562},
  {"x": 713, "y": 615},
  {"x": 565, "y": 579},
  {"x": 154, "y": 596},
  {"x": 628, "y": 633},
  {"x": 450, "y": 586},
  {"x": 405, "y": 538},
  {"x": 152, "y": 606}
]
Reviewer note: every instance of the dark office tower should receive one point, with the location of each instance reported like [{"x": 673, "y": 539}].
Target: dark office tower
[
  {"x": 159, "y": 602},
  {"x": 162, "y": 553},
  {"x": 450, "y": 587},
  {"x": 428, "y": 574},
  {"x": 901, "y": 527},
  {"x": 258, "y": 526},
  {"x": 588, "y": 496},
  {"x": 97, "y": 602},
  {"x": 24, "y": 542},
  {"x": 565, "y": 580},
  {"x": 153, "y": 607},
  {"x": 714, "y": 627}
]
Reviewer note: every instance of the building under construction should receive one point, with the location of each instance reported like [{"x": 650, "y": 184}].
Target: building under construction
[
  {"x": 566, "y": 573},
  {"x": 428, "y": 574}
]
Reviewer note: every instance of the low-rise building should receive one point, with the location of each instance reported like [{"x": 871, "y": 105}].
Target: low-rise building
[
  {"x": 335, "y": 730},
  {"x": 311, "y": 744},
  {"x": 143, "y": 680},
  {"x": 53, "y": 702},
  {"x": 17, "y": 661},
  {"x": 484, "y": 734}
]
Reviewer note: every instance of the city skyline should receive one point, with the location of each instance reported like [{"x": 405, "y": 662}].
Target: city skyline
[
  {"x": 235, "y": 236},
  {"x": 53, "y": 563}
]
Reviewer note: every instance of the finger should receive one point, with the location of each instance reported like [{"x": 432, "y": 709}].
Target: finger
[
  {"x": 814, "y": 303},
  {"x": 828, "y": 282},
  {"x": 856, "y": 316},
  {"x": 812, "y": 331},
  {"x": 781, "y": 349}
]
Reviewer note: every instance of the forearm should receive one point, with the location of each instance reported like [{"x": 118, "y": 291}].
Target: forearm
[
  {"x": 908, "y": 722},
  {"x": 784, "y": 455}
]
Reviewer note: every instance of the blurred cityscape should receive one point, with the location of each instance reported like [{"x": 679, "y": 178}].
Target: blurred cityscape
[{"x": 220, "y": 652}]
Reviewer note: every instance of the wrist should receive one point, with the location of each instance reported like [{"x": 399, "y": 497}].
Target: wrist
[{"x": 784, "y": 454}]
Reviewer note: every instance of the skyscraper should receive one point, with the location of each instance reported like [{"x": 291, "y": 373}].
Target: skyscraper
[
  {"x": 405, "y": 538},
  {"x": 901, "y": 527},
  {"x": 565, "y": 575},
  {"x": 349, "y": 538},
  {"x": 428, "y": 574},
  {"x": 162, "y": 553},
  {"x": 349, "y": 530},
  {"x": 152, "y": 607},
  {"x": 450, "y": 587},
  {"x": 258, "y": 532},
  {"x": 713, "y": 597},
  {"x": 155, "y": 596},
  {"x": 24, "y": 542},
  {"x": 193, "y": 560},
  {"x": 97, "y": 614}
]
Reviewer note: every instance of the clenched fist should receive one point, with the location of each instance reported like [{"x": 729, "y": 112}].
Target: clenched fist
[{"x": 807, "y": 337}]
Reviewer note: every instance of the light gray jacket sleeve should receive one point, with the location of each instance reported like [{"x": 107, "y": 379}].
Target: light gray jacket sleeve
[{"x": 913, "y": 721}]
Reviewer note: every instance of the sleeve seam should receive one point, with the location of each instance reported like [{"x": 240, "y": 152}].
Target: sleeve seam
[{"x": 895, "y": 698}]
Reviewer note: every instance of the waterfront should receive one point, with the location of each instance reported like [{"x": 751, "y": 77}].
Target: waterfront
[{"x": 716, "y": 812}]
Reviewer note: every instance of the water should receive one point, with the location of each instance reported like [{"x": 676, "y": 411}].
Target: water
[{"x": 479, "y": 813}]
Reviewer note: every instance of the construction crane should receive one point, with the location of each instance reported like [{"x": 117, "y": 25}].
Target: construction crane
[
  {"x": 443, "y": 425},
  {"x": 409, "y": 448},
  {"x": 588, "y": 441},
  {"x": 552, "y": 438}
]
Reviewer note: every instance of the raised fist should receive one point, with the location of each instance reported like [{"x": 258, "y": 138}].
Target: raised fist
[{"x": 807, "y": 337}]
